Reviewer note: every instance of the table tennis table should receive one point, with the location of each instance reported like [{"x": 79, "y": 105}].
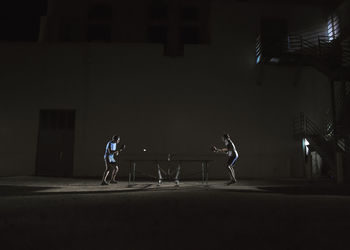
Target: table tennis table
[{"x": 158, "y": 162}]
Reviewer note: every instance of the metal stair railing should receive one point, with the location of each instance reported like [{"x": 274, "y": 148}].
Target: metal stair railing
[
  {"x": 305, "y": 126},
  {"x": 319, "y": 47},
  {"x": 310, "y": 130},
  {"x": 341, "y": 143}
]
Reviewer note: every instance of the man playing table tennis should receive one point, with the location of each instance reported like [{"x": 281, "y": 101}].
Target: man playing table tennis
[
  {"x": 110, "y": 160},
  {"x": 232, "y": 153}
]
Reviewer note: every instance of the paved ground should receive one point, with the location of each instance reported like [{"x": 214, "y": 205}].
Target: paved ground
[{"x": 52, "y": 213}]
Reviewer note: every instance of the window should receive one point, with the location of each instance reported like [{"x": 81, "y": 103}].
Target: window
[
  {"x": 100, "y": 12},
  {"x": 158, "y": 10},
  {"x": 258, "y": 50},
  {"x": 189, "y": 13},
  {"x": 70, "y": 29},
  {"x": 67, "y": 32},
  {"x": 157, "y": 34},
  {"x": 99, "y": 32},
  {"x": 57, "y": 119},
  {"x": 333, "y": 27},
  {"x": 190, "y": 35},
  {"x": 273, "y": 39},
  {"x": 25, "y": 28},
  {"x": 189, "y": 24},
  {"x": 100, "y": 23}
]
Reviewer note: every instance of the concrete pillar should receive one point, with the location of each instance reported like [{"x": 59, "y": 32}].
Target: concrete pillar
[
  {"x": 340, "y": 173},
  {"x": 308, "y": 167}
]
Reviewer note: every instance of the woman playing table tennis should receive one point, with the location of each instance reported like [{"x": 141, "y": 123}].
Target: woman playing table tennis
[{"x": 232, "y": 153}]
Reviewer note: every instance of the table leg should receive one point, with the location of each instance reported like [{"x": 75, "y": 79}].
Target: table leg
[
  {"x": 130, "y": 173},
  {"x": 134, "y": 172},
  {"x": 203, "y": 172},
  {"x": 206, "y": 172}
]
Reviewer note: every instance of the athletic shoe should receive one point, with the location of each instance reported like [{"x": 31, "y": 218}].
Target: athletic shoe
[
  {"x": 104, "y": 183},
  {"x": 159, "y": 182},
  {"x": 231, "y": 182},
  {"x": 177, "y": 183}
]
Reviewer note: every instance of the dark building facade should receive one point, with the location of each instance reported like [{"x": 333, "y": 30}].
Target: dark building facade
[{"x": 172, "y": 76}]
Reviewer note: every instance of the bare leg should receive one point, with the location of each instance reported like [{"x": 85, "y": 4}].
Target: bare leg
[
  {"x": 114, "y": 174},
  {"x": 105, "y": 174},
  {"x": 232, "y": 175},
  {"x": 104, "y": 177}
]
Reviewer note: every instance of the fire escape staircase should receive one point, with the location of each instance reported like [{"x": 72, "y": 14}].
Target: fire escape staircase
[
  {"x": 321, "y": 140},
  {"x": 305, "y": 128},
  {"x": 331, "y": 57}
]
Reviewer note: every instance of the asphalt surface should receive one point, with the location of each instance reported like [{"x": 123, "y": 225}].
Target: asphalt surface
[{"x": 51, "y": 213}]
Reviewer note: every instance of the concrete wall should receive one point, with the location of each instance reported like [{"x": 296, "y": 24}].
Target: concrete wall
[
  {"x": 179, "y": 105},
  {"x": 343, "y": 13}
]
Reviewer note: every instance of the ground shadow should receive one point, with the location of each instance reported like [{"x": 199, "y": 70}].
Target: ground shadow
[
  {"x": 11, "y": 190},
  {"x": 311, "y": 189},
  {"x": 331, "y": 189}
]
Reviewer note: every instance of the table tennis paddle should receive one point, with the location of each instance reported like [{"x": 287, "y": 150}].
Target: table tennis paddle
[{"x": 122, "y": 148}]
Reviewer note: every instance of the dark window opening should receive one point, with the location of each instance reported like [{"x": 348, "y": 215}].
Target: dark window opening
[
  {"x": 100, "y": 12},
  {"x": 273, "y": 39},
  {"x": 158, "y": 10},
  {"x": 190, "y": 35},
  {"x": 157, "y": 34},
  {"x": 189, "y": 13},
  {"x": 20, "y": 8},
  {"x": 70, "y": 29},
  {"x": 24, "y": 28},
  {"x": 57, "y": 120},
  {"x": 99, "y": 32},
  {"x": 67, "y": 32}
]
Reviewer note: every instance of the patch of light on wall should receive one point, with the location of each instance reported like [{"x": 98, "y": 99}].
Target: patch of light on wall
[
  {"x": 275, "y": 60},
  {"x": 333, "y": 27},
  {"x": 306, "y": 144},
  {"x": 258, "y": 59}
]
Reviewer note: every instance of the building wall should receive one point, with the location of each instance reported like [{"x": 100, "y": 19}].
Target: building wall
[
  {"x": 180, "y": 105},
  {"x": 342, "y": 12}
]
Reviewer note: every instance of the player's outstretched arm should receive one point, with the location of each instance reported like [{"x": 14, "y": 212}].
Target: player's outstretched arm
[
  {"x": 223, "y": 150},
  {"x": 122, "y": 148},
  {"x": 219, "y": 150}
]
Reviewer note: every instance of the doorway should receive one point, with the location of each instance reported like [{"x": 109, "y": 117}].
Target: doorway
[{"x": 55, "y": 149}]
